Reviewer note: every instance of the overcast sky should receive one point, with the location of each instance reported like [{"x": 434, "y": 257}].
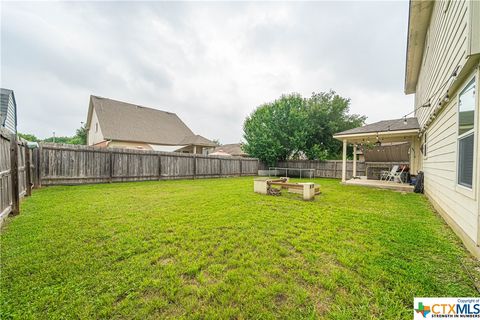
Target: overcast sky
[{"x": 211, "y": 63}]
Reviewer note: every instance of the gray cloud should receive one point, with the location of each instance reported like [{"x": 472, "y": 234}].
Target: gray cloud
[{"x": 212, "y": 63}]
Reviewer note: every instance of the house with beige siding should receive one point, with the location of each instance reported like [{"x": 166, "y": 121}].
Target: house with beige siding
[
  {"x": 443, "y": 72},
  {"x": 230, "y": 149},
  {"x": 117, "y": 124}
]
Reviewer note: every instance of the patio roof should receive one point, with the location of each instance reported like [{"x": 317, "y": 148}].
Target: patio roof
[
  {"x": 396, "y": 130},
  {"x": 385, "y": 128}
]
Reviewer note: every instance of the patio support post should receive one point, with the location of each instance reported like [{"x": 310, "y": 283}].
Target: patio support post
[
  {"x": 344, "y": 161},
  {"x": 354, "y": 160}
]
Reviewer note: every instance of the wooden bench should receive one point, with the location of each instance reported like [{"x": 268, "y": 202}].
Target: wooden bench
[{"x": 307, "y": 189}]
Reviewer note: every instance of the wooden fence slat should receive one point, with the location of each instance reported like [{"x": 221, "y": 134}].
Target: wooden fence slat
[
  {"x": 194, "y": 166},
  {"x": 159, "y": 167},
  {"x": 28, "y": 179},
  {"x": 5, "y": 181},
  {"x": 14, "y": 175},
  {"x": 110, "y": 166}
]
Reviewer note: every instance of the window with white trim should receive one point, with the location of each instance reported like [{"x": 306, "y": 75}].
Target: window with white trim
[{"x": 466, "y": 136}]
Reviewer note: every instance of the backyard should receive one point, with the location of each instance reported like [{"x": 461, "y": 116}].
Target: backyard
[{"x": 214, "y": 249}]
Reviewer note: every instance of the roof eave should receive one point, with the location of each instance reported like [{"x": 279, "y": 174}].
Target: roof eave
[
  {"x": 409, "y": 132},
  {"x": 15, "y": 107},
  {"x": 89, "y": 113},
  {"x": 202, "y": 144},
  {"x": 147, "y": 142},
  {"x": 418, "y": 23},
  {"x": 161, "y": 143}
]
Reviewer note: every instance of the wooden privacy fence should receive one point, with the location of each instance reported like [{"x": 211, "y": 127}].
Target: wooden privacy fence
[
  {"x": 15, "y": 180},
  {"x": 333, "y": 168},
  {"x": 324, "y": 169},
  {"x": 75, "y": 164}
]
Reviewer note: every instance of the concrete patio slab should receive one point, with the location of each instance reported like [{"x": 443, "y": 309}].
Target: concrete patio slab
[{"x": 381, "y": 184}]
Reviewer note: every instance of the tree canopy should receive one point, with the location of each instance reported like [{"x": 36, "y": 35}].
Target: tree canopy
[
  {"x": 292, "y": 126},
  {"x": 29, "y": 137},
  {"x": 80, "y": 137}
]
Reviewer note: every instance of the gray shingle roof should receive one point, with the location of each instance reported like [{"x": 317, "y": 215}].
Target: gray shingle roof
[
  {"x": 382, "y": 126},
  {"x": 129, "y": 122}
]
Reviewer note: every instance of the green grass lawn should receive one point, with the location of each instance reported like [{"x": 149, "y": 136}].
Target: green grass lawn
[{"x": 214, "y": 249}]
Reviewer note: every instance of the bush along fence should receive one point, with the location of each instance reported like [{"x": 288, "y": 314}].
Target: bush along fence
[{"x": 16, "y": 180}]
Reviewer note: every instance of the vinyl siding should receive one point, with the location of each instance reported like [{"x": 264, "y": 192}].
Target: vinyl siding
[
  {"x": 129, "y": 145},
  {"x": 474, "y": 9},
  {"x": 8, "y": 112},
  {"x": 10, "y": 121},
  {"x": 440, "y": 167},
  {"x": 445, "y": 48},
  {"x": 94, "y": 136}
]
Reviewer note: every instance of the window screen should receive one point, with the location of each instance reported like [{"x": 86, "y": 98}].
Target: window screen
[{"x": 465, "y": 161}]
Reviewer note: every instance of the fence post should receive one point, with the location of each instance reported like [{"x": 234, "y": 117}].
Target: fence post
[
  {"x": 110, "y": 173},
  {"x": 221, "y": 175},
  {"x": 38, "y": 163},
  {"x": 241, "y": 167},
  {"x": 14, "y": 174},
  {"x": 28, "y": 177},
  {"x": 159, "y": 166},
  {"x": 194, "y": 166}
]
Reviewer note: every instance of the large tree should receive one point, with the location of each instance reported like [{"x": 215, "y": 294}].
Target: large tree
[
  {"x": 328, "y": 113},
  {"x": 274, "y": 131},
  {"x": 293, "y": 125}
]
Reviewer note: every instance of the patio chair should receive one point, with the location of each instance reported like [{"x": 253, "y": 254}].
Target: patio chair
[
  {"x": 396, "y": 174},
  {"x": 385, "y": 174}
]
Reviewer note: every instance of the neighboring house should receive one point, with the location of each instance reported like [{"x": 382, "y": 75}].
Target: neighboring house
[
  {"x": 220, "y": 152},
  {"x": 360, "y": 155},
  {"x": 232, "y": 149},
  {"x": 117, "y": 124},
  {"x": 8, "y": 110},
  {"x": 442, "y": 70}
]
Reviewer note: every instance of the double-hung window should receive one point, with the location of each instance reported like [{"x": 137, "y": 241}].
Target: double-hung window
[{"x": 466, "y": 135}]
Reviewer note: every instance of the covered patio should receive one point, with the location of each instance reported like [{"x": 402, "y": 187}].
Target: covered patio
[{"x": 377, "y": 136}]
